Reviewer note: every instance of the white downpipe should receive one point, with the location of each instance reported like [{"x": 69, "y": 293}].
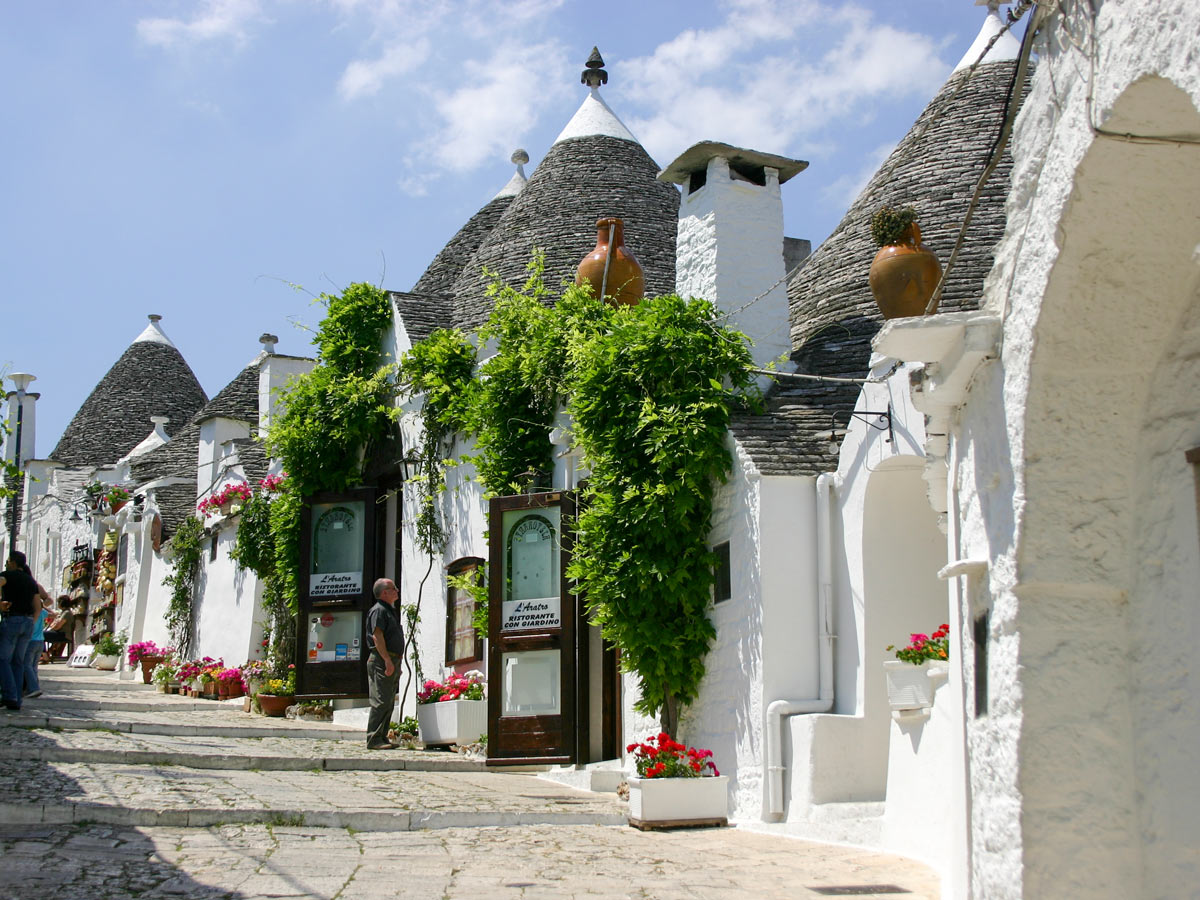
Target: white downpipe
[{"x": 824, "y": 700}]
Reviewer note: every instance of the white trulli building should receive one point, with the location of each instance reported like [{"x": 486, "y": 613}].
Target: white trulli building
[{"x": 1023, "y": 465}]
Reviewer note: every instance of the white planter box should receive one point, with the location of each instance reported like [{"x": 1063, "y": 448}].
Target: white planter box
[
  {"x": 107, "y": 663},
  {"x": 909, "y": 686},
  {"x": 670, "y": 802},
  {"x": 452, "y": 721}
]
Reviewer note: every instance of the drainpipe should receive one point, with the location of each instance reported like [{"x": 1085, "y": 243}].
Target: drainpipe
[{"x": 824, "y": 700}]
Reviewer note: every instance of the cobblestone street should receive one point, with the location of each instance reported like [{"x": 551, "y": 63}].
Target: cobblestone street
[{"x": 286, "y": 812}]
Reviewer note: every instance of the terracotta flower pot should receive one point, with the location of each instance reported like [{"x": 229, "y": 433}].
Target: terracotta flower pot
[
  {"x": 904, "y": 276},
  {"x": 273, "y": 705},
  {"x": 623, "y": 283},
  {"x": 148, "y": 663}
]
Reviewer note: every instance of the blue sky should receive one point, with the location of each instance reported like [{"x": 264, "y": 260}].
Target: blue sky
[{"x": 200, "y": 159}]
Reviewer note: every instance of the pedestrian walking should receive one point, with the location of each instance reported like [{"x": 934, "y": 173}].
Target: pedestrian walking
[
  {"x": 35, "y": 649},
  {"x": 383, "y": 664},
  {"x": 18, "y": 593}
]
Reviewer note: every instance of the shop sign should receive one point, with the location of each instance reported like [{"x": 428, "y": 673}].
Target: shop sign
[
  {"x": 335, "y": 584},
  {"x": 525, "y": 615}
]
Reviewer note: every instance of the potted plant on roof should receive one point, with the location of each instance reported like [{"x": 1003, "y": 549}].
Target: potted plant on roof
[
  {"x": 95, "y": 492},
  {"x": 116, "y": 497},
  {"x": 904, "y": 273},
  {"x": 909, "y": 675},
  {"x": 676, "y": 786},
  {"x": 454, "y": 711}
]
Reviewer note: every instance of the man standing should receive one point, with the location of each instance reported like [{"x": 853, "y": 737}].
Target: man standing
[
  {"x": 383, "y": 663},
  {"x": 21, "y": 603}
]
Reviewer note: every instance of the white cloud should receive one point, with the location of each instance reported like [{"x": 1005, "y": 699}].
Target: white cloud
[
  {"x": 497, "y": 105},
  {"x": 366, "y": 77},
  {"x": 771, "y": 76},
  {"x": 217, "y": 19}
]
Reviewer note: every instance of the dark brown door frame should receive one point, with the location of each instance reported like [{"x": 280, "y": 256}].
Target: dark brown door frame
[
  {"x": 334, "y": 680},
  {"x": 516, "y": 740}
]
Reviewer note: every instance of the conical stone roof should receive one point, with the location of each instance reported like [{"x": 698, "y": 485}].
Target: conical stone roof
[
  {"x": 150, "y": 379},
  {"x": 833, "y": 313},
  {"x": 594, "y": 169},
  {"x": 934, "y": 169}
]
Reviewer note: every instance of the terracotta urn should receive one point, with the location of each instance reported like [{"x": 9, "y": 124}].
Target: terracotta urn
[
  {"x": 148, "y": 663},
  {"x": 273, "y": 705},
  {"x": 904, "y": 276},
  {"x": 611, "y": 269}
]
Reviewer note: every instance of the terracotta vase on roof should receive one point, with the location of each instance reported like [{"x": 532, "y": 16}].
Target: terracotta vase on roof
[
  {"x": 904, "y": 275},
  {"x": 611, "y": 268}
]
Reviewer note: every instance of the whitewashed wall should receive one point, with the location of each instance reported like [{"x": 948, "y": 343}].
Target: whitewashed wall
[{"x": 1077, "y": 774}]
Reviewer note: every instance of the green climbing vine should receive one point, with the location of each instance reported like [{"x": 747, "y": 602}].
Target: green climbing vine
[
  {"x": 333, "y": 416},
  {"x": 650, "y": 391},
  {"x": 651, "y": 399},
  {"x": 185, "y": 569},
  {"x": 441, "y": 368}
]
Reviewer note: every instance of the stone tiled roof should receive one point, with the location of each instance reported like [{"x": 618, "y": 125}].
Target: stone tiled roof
[
  {"x": 439, "y": 278},
  {"x": 423, "y": 313},
  {"x": 177, "y": 458},
  {"x": 237, "y": 400},
  {"x": 833, "y": 314},
  {"x": 175, "y": 503},
  {"x": 150, "y": 379},
  {"x": 580, "y": 180}
]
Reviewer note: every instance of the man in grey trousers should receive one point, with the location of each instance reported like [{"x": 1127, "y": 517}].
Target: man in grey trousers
[{"x": 383, "y": 664}]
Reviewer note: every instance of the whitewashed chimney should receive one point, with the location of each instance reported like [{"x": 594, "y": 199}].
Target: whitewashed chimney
[{"x": 730, "y": 246}]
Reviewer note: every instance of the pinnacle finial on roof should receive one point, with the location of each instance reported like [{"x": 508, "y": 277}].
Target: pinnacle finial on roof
[
  {"x": 268, "y": 341},
  {"x": 594, "y": 75},
  {"x": 519, "y": 158},
  {"x": 154, "y": 317}
]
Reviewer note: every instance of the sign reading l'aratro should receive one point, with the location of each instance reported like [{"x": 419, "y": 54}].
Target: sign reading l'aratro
[
  {"x": 335, "y": 584},
  {"x": 545, "y": 612}
]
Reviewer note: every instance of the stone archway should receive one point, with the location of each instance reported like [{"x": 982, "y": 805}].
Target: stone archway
[{"x": 1110, "y": 409}]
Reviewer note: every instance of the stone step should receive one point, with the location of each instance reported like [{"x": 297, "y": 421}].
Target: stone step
[
  {"x": 232, "y": 729},
  {"x": 60, "y": 702},
  {"x": 377, "y": 762},
  {"x": 52, "y": 792},
  {"x": 357, "y": 819}
]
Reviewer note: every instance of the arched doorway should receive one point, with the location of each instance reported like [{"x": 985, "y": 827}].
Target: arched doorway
[{"x": 1105, "y": 697}]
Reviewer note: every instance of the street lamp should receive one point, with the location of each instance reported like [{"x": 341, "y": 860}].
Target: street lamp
[{"x": 22, "y": 380}]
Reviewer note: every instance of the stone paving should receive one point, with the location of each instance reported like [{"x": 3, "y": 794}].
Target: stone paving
[
  {"x": 118, "y": 814},
  {"x": 544, "y": 861}
]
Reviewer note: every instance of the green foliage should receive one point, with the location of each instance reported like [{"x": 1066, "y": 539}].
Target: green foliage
[
  {"x": 442, "y": 369},
  {"x": 651, "y": 399},
  {"x": 185, "y": 568},
  {"x": 348, "y": 337},
  {"x": 111, "y": 644},
  {"x": 474, "y": 582},
  {"x": 650, "y": 390},
  {"x": 522, "y": 384},
  {"x": 338, "y": 410},
  {"x": 889, "y": 223},
  {"x": 254, "y": 545},
  {"x": 332, "y": 417}
]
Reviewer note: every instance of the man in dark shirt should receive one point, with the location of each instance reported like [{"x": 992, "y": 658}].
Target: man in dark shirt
[
  {"x": 386, "y": 638},
  {"x": 21, "y": 603}
]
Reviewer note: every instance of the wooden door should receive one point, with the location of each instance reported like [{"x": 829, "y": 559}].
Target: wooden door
[{"x": 532, "y": 619}]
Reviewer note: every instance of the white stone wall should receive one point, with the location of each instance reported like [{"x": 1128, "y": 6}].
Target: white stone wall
[
  {"x": 730, "y": 249},
  {"x": 1064, "y": 455},
  {"x": 727, "y": 716}
]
